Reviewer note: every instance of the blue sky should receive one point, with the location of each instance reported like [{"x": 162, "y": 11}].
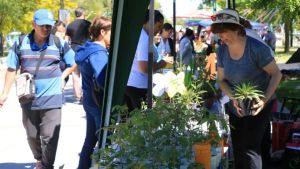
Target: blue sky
[{"x": 181, "y": 6}]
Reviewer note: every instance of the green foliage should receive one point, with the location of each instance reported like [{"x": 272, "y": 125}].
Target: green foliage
[
  {"x": 247, "y": 91},
  {"x": 16, "y": 15},
  {"x": 12, "y": 15},
  {"x": 287, "y": 13},
  {"x": 96, "y": 7},
  {"x": 19, "y": 17},
  {"x": 161, "y": 137},
  {"x": 211, "y": 3}
]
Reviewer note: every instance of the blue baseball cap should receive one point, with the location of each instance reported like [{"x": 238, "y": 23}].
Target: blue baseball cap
[{"x": 43, "y": 17}]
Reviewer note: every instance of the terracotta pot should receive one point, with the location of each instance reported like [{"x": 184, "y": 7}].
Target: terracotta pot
[{"x": 203, "y": 154}]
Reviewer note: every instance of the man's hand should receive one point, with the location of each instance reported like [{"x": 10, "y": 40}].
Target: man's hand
[
  {"x": 3, "y": 98},
  {"x": 168, "y": 59}
]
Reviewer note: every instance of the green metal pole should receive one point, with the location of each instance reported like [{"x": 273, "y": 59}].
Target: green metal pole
[
  {"x": 150, "y": 55},
  {"x": 174, "y": 34}
]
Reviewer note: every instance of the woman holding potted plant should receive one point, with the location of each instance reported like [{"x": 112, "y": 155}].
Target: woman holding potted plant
[{"x": 243, "y": 59}]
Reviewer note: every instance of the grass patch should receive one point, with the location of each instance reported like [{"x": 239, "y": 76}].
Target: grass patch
[
  {"x": 282, "y": 57},
  {"x": 289, "y": 88}
]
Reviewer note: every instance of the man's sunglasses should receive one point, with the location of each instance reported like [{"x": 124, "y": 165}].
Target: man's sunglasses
[{"x": 223, "y": 16}]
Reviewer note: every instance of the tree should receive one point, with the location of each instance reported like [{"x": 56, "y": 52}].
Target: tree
[
  {"x": 288, "y": 11},
  {"x": 212, "y": 3},
  {"x": 12, "y": 15},
  {"x": 96, "y": 7},
  {"x": 24, "y": 11}
]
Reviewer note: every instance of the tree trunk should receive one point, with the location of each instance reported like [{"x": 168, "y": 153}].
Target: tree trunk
[
  {"x": 1, "y": 44},
  {"x": 291, "y": 31},
  {"x": 287, "y": 29}
]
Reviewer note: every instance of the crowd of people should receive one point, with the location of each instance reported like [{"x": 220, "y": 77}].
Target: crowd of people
[
  {"x": 84, "y": 48},
  {"x": 46, "y": 48}
]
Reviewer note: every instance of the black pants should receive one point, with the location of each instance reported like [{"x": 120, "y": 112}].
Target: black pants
[
  {"x": 42, "y": 129},
  {"x": 266, "y": 147},
  {"x": 134, "y": 97},
  {"x": 247, "y": 135}
]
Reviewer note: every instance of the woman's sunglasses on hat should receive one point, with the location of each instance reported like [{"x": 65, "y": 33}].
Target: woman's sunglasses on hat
[{"x": 223, "y": 16}]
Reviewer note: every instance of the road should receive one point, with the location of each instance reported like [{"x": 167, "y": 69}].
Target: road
[{"x": 14, "y": 150}]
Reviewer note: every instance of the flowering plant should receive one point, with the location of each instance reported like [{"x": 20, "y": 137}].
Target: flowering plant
[
  {"x": 161, "y": 137},
  {"x": 169, "y": 83}
]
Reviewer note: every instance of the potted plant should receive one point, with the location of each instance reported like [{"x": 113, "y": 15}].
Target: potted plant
[
  {"x": 247, "y": 95},
  {"x": 164, "y": 136}
]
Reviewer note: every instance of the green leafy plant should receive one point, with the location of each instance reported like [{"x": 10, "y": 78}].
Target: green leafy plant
[
  {"x": 247, "y": 91},
  {"x": 247, "y": 95},
  {"x": 161, "y": 137}
]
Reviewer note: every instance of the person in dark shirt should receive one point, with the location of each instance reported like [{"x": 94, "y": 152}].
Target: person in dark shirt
[
  {"x": 269, "y": 37},
  {"x": 78, "y": 30},
  {"x": 77, "y": 34}
]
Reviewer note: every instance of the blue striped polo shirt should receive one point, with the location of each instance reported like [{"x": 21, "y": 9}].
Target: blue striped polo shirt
[{"x": 48, "y": 80}]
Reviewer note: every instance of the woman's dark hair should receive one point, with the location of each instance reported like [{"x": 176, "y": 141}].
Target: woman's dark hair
[
  {"x": 97, "y": 24},
  {"x": 57, "y": 24},
  {"x": 245, "y": 23},
  {"x": 222, "y": 27},
  {"x": 167, "y": 26},
  {"x": 188, "y": 33},
  {"x": 79, "y": 12},
  {"x": 157, "y": 16}
]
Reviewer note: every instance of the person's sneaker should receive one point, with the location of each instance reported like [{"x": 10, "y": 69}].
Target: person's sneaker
[{"x": 38, "y": 165}]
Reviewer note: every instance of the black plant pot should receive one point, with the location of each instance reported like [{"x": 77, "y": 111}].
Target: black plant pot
[{"x": 246, "y": 106}]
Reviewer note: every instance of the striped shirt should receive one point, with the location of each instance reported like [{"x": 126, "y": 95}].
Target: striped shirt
[{"x": 48, "y": 80}]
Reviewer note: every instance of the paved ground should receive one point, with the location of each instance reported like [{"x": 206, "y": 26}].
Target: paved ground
[{"x": 14, "y": 150}]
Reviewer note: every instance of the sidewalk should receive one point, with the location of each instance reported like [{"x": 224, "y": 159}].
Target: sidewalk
[{"x": 14, "y": 150}]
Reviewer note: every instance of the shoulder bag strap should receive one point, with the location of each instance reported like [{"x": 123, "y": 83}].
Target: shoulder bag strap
[{"x": 39, "y": 62}]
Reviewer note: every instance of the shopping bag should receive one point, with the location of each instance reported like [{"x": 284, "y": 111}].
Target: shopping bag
[{"x": 25, "y": 88}]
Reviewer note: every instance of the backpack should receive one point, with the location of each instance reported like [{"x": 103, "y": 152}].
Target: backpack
[{"x": 57, "y": 43}]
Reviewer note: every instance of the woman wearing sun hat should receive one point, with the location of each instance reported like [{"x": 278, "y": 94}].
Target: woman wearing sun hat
[{"x": 244, "y": 59}]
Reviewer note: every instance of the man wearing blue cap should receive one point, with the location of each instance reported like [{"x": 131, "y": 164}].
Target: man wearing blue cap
[{"x": 42, "y": 115}]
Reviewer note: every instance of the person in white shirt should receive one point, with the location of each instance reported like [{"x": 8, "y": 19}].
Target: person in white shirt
[
  {"x": 165, "y": 45},
  {"x": 137, "y": 84}
]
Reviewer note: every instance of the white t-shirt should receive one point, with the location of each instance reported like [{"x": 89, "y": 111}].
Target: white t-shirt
[
  {"x": 137, "y": 78},
  {"x": 163, "y": 47}
]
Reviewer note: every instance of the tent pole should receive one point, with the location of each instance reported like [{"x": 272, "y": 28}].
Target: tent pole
[
  {"x": 174, "y": 34},
  {"x": 233, "y": 4},
  {"x": 112, "y": 73},
  {"x": 228, "y": 4},
  {"x": 150, "y": 55}
]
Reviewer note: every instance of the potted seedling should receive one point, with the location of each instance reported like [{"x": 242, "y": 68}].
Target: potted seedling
[{"x": 247, "y": 95}]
